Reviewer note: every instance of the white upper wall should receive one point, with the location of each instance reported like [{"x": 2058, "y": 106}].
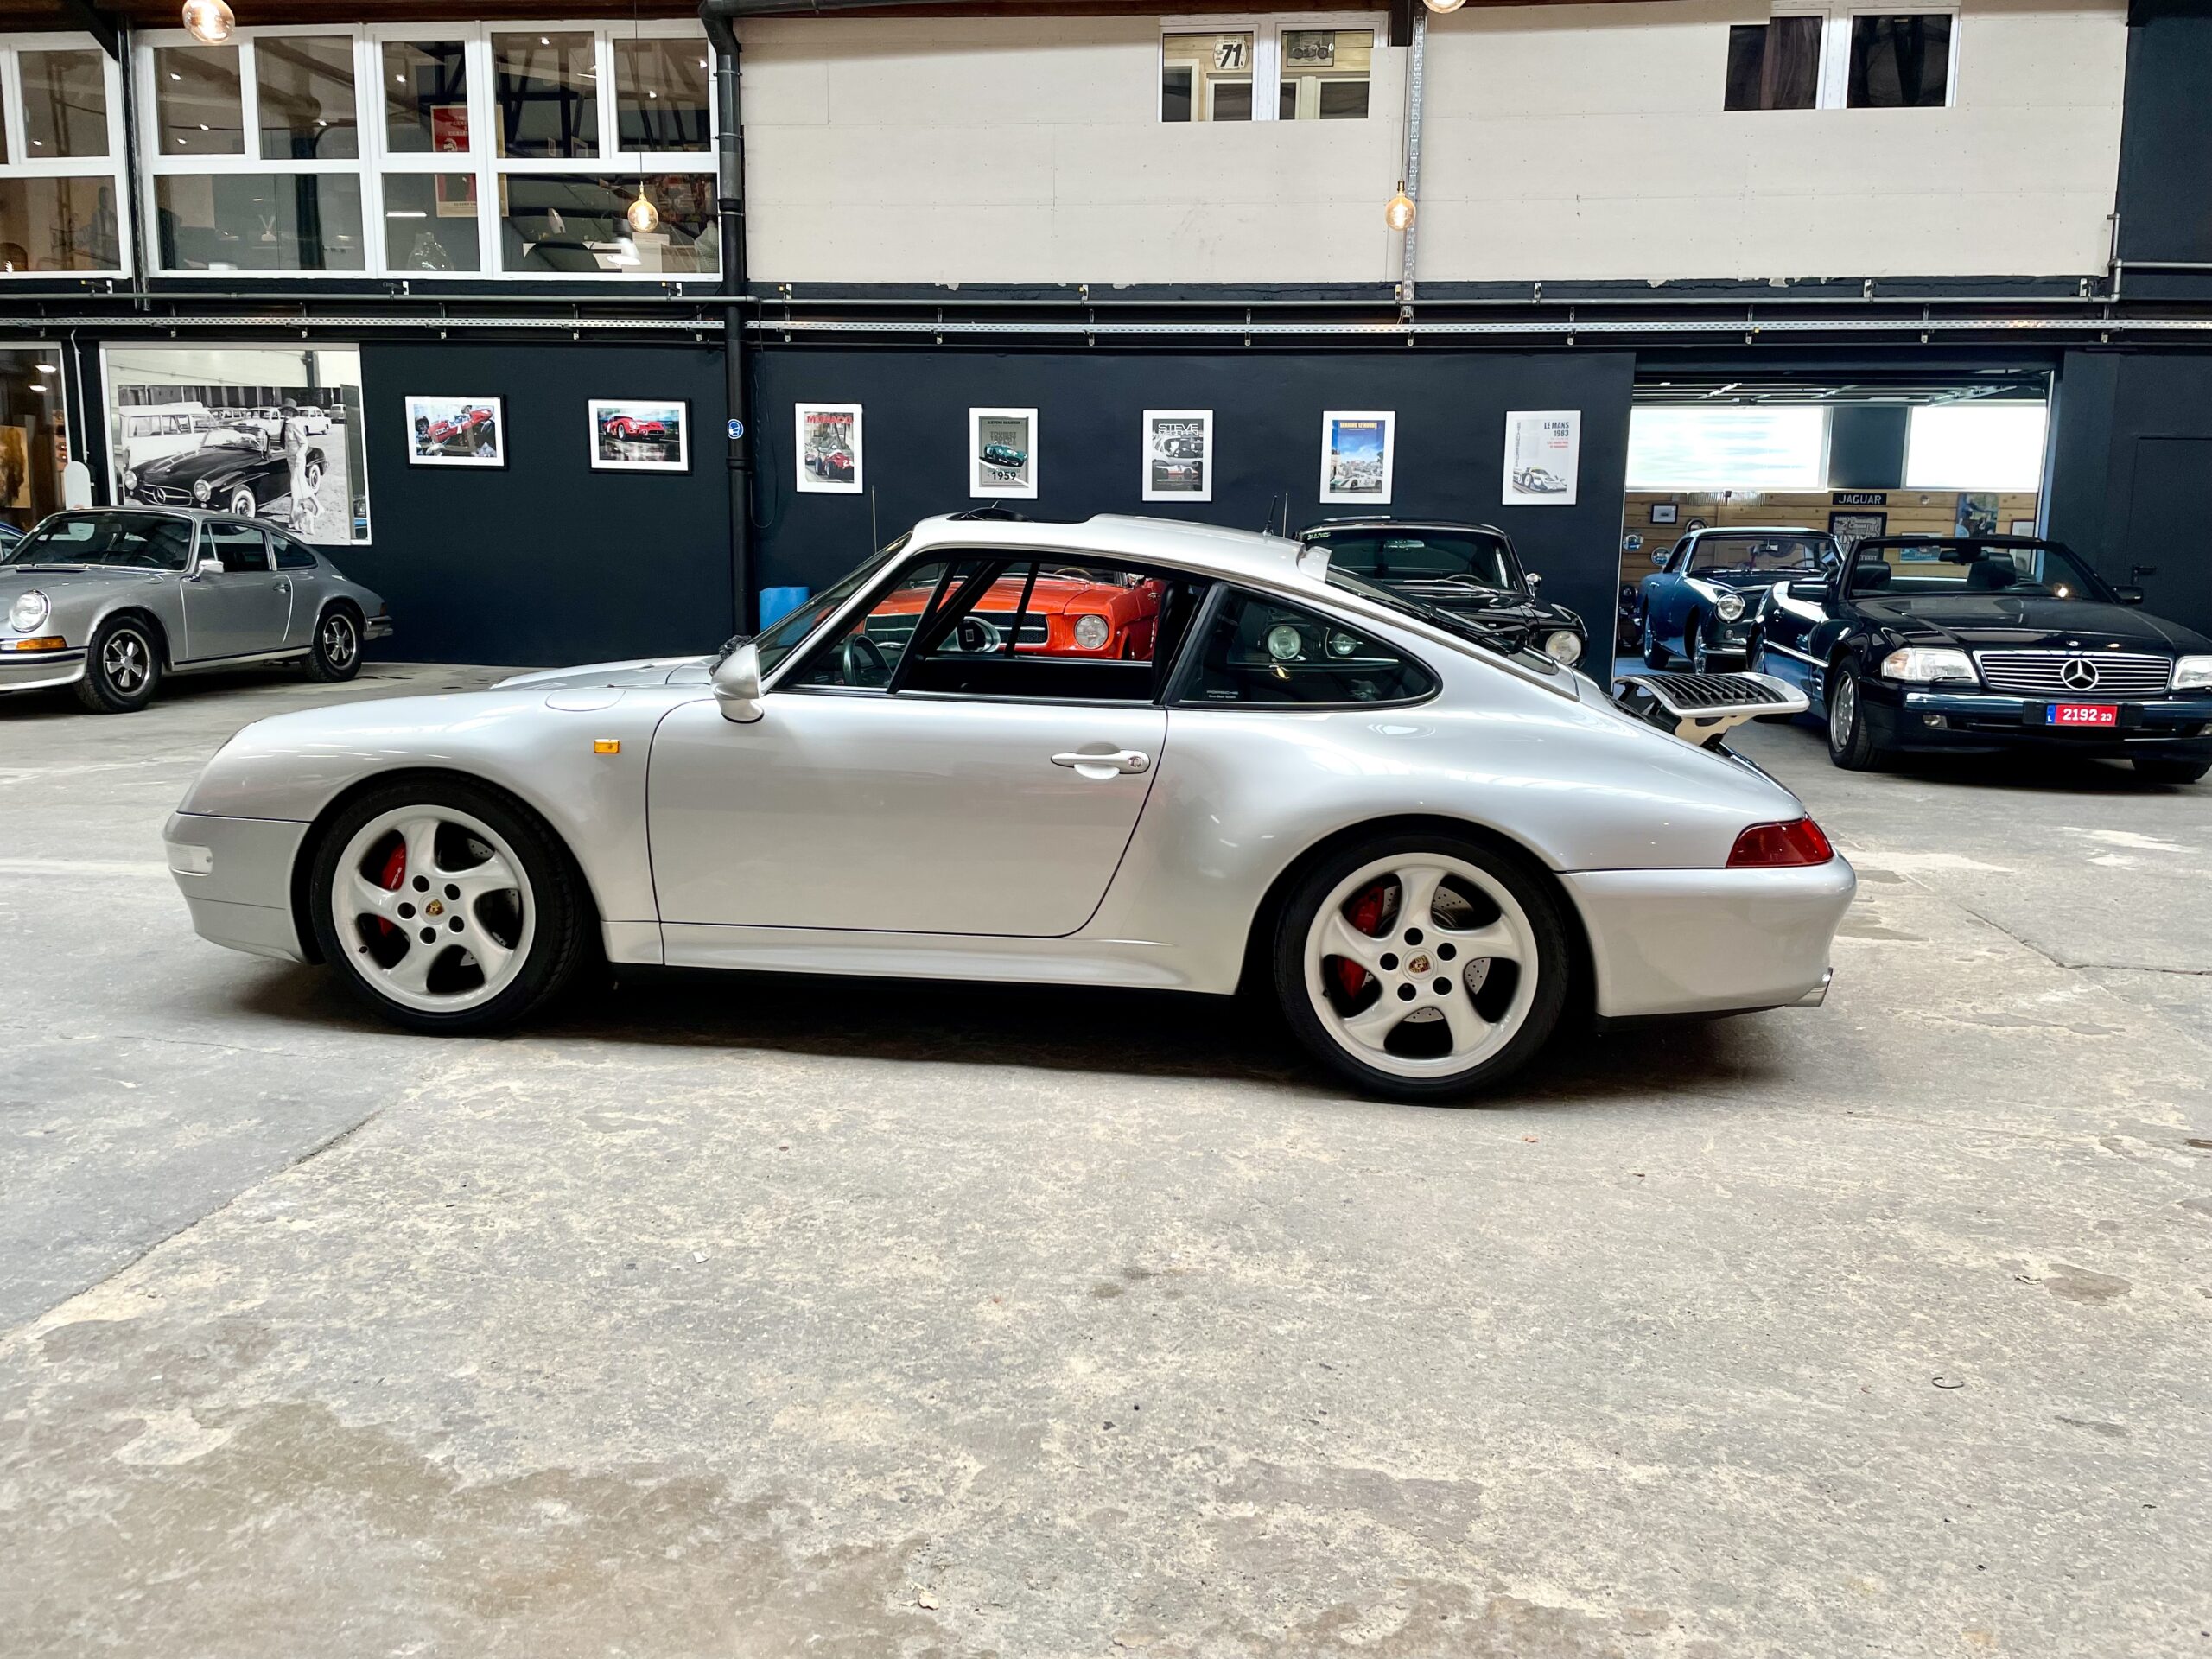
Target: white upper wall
[{"x": 1561, "y": 142}]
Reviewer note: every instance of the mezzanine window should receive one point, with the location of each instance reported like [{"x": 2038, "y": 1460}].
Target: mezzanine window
[
  {"x": 1843, "y": 58},
  {"x": 433, "y": 149},
  {"x": 60, "y": 158},
  {"x": 1286, "y": 68}
]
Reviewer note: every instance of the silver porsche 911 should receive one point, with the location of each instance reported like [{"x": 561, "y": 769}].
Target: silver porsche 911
[
  {"x": 1118, "y": 752},
  {"x": 110, "y": 600}
]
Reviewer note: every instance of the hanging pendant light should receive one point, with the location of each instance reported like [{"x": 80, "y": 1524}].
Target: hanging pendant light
[
  {"x": 1399, "y": 214},
  {"x": 1446, "y": 5},
  {"x": 643, "y": 217},
  {"x": 209, "y": 21}
]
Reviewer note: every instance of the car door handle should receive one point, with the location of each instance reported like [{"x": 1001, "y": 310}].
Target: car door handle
[
  {"x": 283, "y": 586},
  {"x": 1118, "y": 760}
]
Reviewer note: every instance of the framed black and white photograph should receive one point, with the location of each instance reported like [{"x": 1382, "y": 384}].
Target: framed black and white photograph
[
  {"x": 1663, "y": 513},
  {"x": 1358, "y": 449},
  {"x": 827, "y": 442},
  {"x": 1178, "y": 454},
  {"x": 456, "y": 432},
  {"x": 1002, "y": 452},
  {"x": 272, "y": 431},
  {"x": 630, "y": 434},
  {"x": 1850, "y": 529}
]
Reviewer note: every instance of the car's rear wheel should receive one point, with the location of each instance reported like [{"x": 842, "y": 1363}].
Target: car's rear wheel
[
  {"x": 123, "y": 666},
  {"x": 336, "y": 654},
  {"x": 1654, "y": 654},
  {"x": 2167, "y": 769},
  {"x": 1851, "y": 741},
  {"x": 1422, "y": 966},
  {"x": 448, "y": 906}
]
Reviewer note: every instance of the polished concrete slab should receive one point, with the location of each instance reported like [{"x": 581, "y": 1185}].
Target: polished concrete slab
[{"x": 755, "y": 1316}]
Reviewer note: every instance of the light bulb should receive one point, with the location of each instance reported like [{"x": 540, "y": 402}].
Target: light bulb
[
  {"x": 210, "y": 21},
  {"x": 1446, "y": 5},
  {"x": 1399, "y": 215},
  {"x": 644, "y": 216}
]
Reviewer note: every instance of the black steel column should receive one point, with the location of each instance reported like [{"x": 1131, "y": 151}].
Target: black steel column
[{"x": 729, "y": 203}]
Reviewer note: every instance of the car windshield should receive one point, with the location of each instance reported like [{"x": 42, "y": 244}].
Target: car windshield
[
  {"x": 1757, "y": 552},
  {"x": 776, "y": 642},
  {"x": 1449, "y": 621},
  {"x": 1468, "y": 557},
  {"x": 129, "y": 540},
  {"x": 232, "y": 437},
  {"x": 2025, "y": 571}
]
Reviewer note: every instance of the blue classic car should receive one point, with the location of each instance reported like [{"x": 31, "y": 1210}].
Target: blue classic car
[{"x": 1700, "y": 602}]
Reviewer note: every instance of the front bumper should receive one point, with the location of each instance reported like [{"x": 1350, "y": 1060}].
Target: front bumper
[
  {"x": 236, "y": 876},
  {"x": 35, "y": 671},
  {"x": 1904, "y": 717},
  {"x": 1666, "y": 942}
]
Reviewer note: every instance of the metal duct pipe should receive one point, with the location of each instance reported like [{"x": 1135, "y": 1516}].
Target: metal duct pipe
[
  {"x": 1413, "y": 78},
  {"x": 729, "y": 208}
]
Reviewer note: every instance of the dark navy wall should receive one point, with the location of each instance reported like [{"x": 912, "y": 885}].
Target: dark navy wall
[
  {"x": 2165, "y": 186},
  {"x": 1267, "y": 409}
]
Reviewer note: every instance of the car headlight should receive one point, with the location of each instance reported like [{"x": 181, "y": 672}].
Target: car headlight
[
  {"x": 202, "y": 489},
  {"x": 1728, "y": 607},
  {"x": 1919, "y": 664},
  {"x": 28, "y": 611},
  {"x": 129, "y": 479},
  {"x": 1562, "y": 645},
  {"x": 2193, "y": 674},
  {"x": 1091, "y": 631}
]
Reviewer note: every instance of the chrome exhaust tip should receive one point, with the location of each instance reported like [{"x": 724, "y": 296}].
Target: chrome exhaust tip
[{"x": 1818, "y": 994}]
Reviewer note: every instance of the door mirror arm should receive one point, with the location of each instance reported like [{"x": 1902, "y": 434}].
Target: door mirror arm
[{"x": 737, "y": 685}]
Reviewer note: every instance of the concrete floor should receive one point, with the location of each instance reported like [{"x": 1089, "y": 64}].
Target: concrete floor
[{"x": 739, "y": 1316}]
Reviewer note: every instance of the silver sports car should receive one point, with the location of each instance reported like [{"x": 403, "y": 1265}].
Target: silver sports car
[
  {"x": 1118, "y": 752},
  {"x": 110, "y": 600}
]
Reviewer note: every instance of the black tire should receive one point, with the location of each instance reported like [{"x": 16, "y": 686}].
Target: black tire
[
  {"x": 562, "y": 938},
  {"x": 336, "y": 653},
  {"x": 1654, "y": 654},
  {"x": 1530, "y": 888},
  {"x": 1700, "y": 660},
  {"x": 1851, "y": 741},
  {"x": 2166, "y": 769},
  {"x": 123, "y": 666}
]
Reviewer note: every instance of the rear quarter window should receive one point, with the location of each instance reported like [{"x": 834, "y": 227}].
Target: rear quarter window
[{"x": 1261, "y": 653}]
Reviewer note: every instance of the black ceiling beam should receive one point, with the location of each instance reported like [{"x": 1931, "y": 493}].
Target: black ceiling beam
[{"x": 97, "y": 23}]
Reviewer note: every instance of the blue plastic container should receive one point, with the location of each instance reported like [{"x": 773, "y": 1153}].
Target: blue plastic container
[{"x": 776, "y": 603}]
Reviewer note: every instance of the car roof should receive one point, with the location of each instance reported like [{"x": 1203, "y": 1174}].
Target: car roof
[
  {"x": 1384, "y": 522},
  {"x": 1758, "y": 529},
  {"x": 195, "y": 515},
  {"x": 1237, "y": 555}
]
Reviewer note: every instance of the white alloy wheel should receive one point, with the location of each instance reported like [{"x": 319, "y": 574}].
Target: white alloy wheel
[
  {"x": 436, "y": 906},
  {"x": 1443, "y": 965}
]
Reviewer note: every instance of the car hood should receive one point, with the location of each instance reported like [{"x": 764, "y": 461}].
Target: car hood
[
  {"x": 56, "y": 582},
  {"x": 2021, "y": 622},
  {"x": 187, "y": 466},
  {"x": 1744, "y": 581},
  {"x": 639, "y": 671}
]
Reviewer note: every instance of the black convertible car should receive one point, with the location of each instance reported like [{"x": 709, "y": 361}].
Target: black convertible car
[
  {"x": 235, "y": 469},
  {"x": 1989, "y": 643},
  {"x": 1468, "y": 570}
]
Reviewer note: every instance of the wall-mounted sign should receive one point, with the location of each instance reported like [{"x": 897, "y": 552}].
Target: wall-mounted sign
[
  {"x": 630, "y": 436},
  {"x": 828, "y": 448},
  {"x": 1543, "y": 457},
  {"x": 1663, "y": 512},
  {"x": 1358, "y": 449},
  {"x": 1002, "y": 452},
  {"x": 457, "y": 432},
  {"x": 1178, "y": 454},
  {"x": 1850, "y": 529},
  {"x": 1859, "y": 499}
]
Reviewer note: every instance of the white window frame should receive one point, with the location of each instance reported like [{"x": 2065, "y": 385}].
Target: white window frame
[
  {"x": 1835, "y": 92},
  {"x": 21, "y": 164},
  {"x": 481, "y": 160},
  {"x": 1266, "y": 29}
]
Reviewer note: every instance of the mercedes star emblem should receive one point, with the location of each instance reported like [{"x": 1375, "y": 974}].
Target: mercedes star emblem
[{"x": 2079, "y": 674}]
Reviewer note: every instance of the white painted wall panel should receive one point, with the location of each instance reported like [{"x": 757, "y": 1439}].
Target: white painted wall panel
[{"x": 1563, "y": 142}]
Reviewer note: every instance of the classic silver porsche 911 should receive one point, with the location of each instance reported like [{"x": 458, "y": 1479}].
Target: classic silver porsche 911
[
  {"x": 109, "y": 599},
  {"x": 1117, "y": 752}
]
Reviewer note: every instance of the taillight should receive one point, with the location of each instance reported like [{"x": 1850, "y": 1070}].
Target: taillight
[{"x": 1765, "y": 845}]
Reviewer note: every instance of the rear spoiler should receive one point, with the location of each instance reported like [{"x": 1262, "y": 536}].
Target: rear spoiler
[{"x": 1702, "y": 709}]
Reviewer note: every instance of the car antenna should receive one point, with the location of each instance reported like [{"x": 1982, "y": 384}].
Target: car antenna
[
  {"x": 874, "y": 540},
  {"x": 1268, "y": 525}
]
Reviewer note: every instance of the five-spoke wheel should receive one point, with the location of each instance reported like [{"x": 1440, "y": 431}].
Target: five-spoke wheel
[
  {"x": 122, "y": 667},
  {"x": 337, "y": 652}
]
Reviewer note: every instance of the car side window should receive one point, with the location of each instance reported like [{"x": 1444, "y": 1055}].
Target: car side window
[
  {"x": 238, "y": 546},
  {"x": 866, "y": 651},
  {"x": 1261, "y": 652},
  {"x": 291, "y": 556}
]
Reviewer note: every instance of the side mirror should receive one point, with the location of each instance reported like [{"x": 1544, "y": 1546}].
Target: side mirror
[
  {"x": 737, "y": 685},
  {"x": 2128, "y": 596},
  {"x": 211, "y": 566},
  {"x": 1815, "y": 588},
  {"x": 1535, "y": 584}
]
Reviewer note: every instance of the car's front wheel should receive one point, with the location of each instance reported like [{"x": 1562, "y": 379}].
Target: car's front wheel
[
  {"x": 2169, "y": 769},
  {"x": 1422, "y": 966},
  {"x": 1693, "y": 645},
  {"x": 123, "y": 666},
  {"x": 242, "y": 503},
  {"x": 1654, "y": 654},
  {"x": 1851, "y": 741},
  {"x": 447, "y": 906}
]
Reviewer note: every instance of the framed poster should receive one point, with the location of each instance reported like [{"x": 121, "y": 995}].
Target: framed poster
[
  {"x": 827, "y": 441},
  {"x": 1663, "y": 513},
  {"x": 1178, "y": 454},
  {"x": 635, "y": 436},
  {"x": 2022, "y": 527},
  {"x": 274, "y": 431},
  {"x": 1543, "y": 457},
  {"x": 1002, "y": 452},
  {"x": 1850, "y": 529},
  {"x": 1977, "y": 516},
  {"x": 456, "y": 432},
  {"x": 1358, "y": 449}
]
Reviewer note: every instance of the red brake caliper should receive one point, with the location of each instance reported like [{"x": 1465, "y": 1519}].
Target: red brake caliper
[
  {"x": 1366, "y": 915},
  {"x": 395, "y": 872}
]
